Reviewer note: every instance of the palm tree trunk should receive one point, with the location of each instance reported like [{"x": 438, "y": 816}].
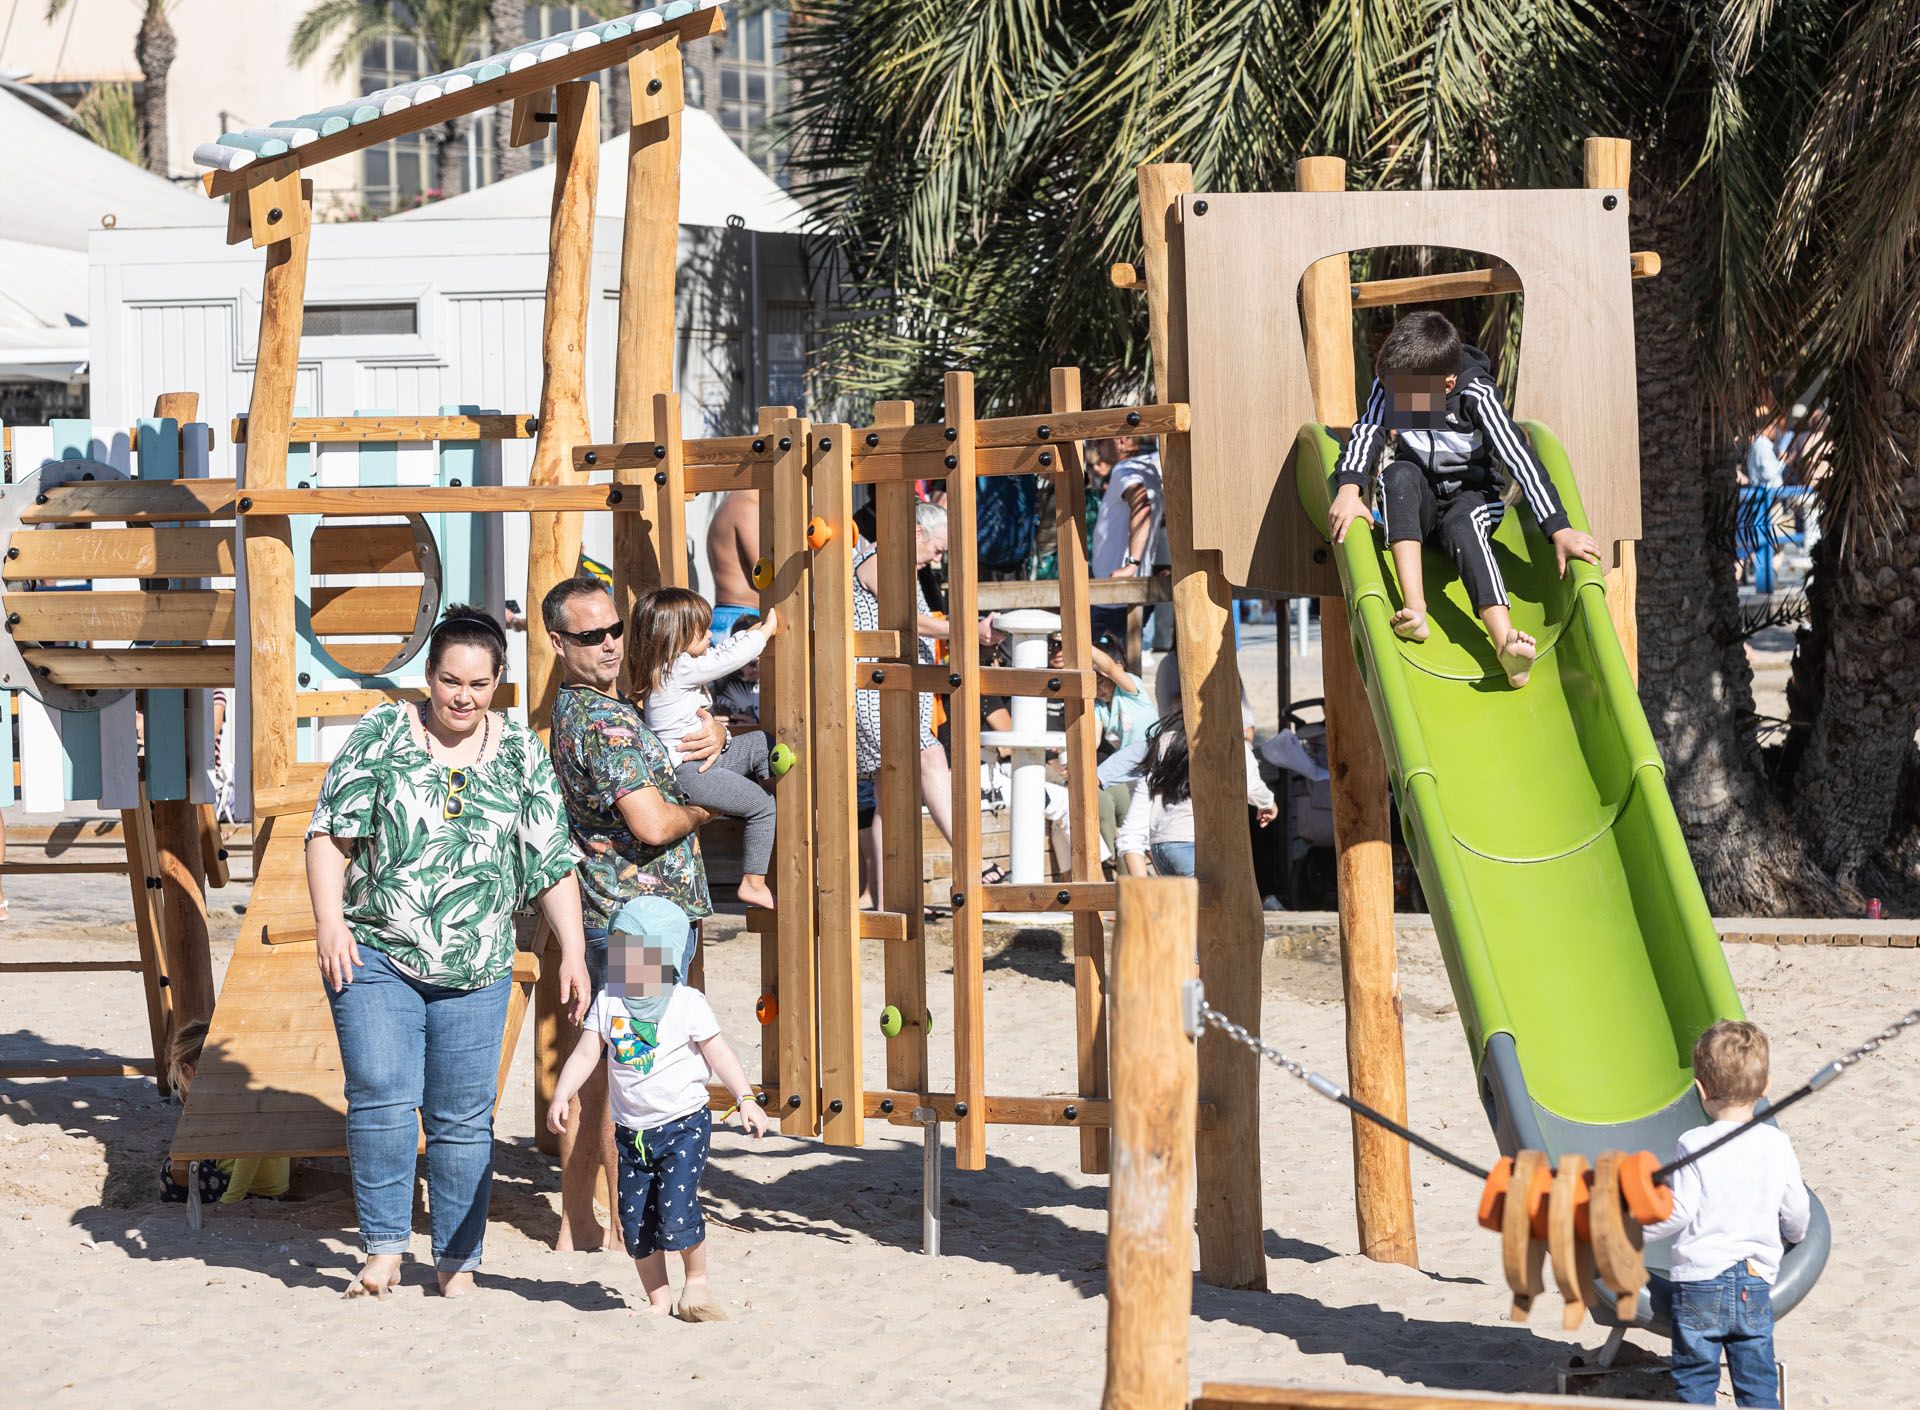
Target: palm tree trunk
[
  {"x": 508, "y": 21},
  {"x": 1852, "y": 786},
  {"x": 1695, "y": 681},
  {"x": 449, "y": 175},
  {"x": 153, "y": 51}
]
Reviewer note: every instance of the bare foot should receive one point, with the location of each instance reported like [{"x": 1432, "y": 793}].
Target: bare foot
[
  {"x": 660, "y": 1304},
  {"x": 754, "y": 891},
  {"x": 1410, "y": 622},
  {"x": 378, "y": 1278},
  {"x": 599, "y": 1241},
  {"x": 698, "y": 1304},
  {"x": 456, "y": 1284},
  {"x": 1516, "y": 658}
]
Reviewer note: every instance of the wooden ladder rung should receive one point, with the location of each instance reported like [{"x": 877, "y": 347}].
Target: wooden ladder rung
[
  {"x": 132, "y": 502},
  {"x": 52, "y": 867},
  {"x": 1063, "y": 896},
  {"x": 100, "y": 1067},
  {"x": 68, "y": 966}
]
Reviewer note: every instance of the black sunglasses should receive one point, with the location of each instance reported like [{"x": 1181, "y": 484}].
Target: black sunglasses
[{"x": 593, "y": 636}]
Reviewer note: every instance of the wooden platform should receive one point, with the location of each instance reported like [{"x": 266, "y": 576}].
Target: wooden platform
[{"x": 270, "y": 1081}]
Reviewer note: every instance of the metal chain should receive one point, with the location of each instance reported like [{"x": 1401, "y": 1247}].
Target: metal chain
[{"x": 1877, "y": 1041}]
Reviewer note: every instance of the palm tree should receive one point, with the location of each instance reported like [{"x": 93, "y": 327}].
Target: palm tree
[
  {"x": 507, "y": 26},
  {"x": 154, "y": 48},
  {"x": 447, "y": 33}
]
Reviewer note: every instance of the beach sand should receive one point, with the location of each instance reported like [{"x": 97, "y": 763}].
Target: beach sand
[{"x": 816, "y": 1250}]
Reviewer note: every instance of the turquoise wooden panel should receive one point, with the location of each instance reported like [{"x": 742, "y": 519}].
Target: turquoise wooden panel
[
  {"x": 307, "y": 657},
  {"x": 79, "y": 729},
  {"x": 166, "y": 710},
  {"x": 462, "y": 549}
]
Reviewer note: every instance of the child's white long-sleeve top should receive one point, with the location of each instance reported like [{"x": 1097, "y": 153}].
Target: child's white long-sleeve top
[
  {"x": 1736, "y": 1205},
  {"x": 675, "y": 705},
  {"x": 1149, "y": 820}
]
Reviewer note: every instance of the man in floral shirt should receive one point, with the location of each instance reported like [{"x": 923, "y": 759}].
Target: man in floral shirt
[{"x": 635, "y": 831}]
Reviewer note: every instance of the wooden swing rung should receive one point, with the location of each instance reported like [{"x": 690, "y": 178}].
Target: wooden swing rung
[
  {"x": 58, "y": 867},
  {"x": 132, "y": 502},
  {"x": 1000, "y": 1111},
  {"x": 874, "y": 925},
  {"x": 402, "y": 430},
  {"x": 1100, "y": 592},
  {"x": 701, "y": 453},
  {"x": 362, "y": 548},
  {"x": 126, "y": 667},
  {"x": 325, "y": 704},
  {"x": 441, "y": 499},
  {"x": 121, "y": 553},
  {"x": 1045, "y": 896},
  {"x": 994, "y": 680},
  {"x": 371, "y": 610},
  {"x": 70, "y": 966},
  {"x": 180, "y": 614}
]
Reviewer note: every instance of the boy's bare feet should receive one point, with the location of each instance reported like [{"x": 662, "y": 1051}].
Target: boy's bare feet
[
  {"x": 378, "y": 1277},
  {"x": 698, "y": 1304},
  {"x": 456, "y": 1284},
  {"x": 1516, "y": 657},
  {"x": 1410, "y": 622},
  {"x": 754, "y": 891}
]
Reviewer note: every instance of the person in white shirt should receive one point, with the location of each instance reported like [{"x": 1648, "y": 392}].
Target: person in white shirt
[
  {"x": 1734, "y": 1211},
  {"x": 662, "y": 1045},
  {"x": 1123, "y": 532},
  {"x": 674, "y": 661},
  {"x": 1159, "y": 821}
]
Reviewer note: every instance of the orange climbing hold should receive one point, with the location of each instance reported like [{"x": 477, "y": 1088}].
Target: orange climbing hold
[
  {"x": 819, "y": 533},
  {"x": 768, "y": 1009}
]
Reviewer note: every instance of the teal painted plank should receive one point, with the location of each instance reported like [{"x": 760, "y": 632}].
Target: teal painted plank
[
  {"x": 166, "y": 710},
  {"x": 462, "y": 554},
  {"x": 312, "y": 668},
  {"x": 379, "y": 460},
  {"x": 79, "y": 729}
]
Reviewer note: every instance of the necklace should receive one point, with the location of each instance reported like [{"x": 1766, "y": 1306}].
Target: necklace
[{"x": 486, "y": 733}]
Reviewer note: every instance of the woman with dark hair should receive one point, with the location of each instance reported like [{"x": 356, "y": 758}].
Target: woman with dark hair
[
  {"x": 1159, "y": 821},
  {"x": 436, "y": 822}
]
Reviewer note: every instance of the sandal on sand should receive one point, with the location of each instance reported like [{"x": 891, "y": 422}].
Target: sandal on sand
[
  {"x": 992, "y": 874},
  {"x": 1517, "y": 664},
  {"x": 1410, "y": 625},
  {"x": 699, "y": 1305}
]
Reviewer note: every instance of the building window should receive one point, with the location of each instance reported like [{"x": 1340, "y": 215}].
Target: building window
[
  {"x": 404, "y": 172},
  {"x": 753, "y": 85},
  {"x": 545, "y": 21},
  {"x": 374, "y": 320}
]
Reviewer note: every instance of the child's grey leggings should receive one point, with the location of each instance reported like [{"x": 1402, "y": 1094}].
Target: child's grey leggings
[{"x": 729, "y": 787}]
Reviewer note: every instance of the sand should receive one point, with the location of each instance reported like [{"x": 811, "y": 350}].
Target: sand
[{"x": 816, "y": 1250}]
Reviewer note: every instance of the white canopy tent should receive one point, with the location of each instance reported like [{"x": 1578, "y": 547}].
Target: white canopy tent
[
  {"x": 718, "y": 183},
  {"x": 61, "y": 187}
]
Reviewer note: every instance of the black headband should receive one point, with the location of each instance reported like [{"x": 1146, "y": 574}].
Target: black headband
[{"x": 486, "y": 624}]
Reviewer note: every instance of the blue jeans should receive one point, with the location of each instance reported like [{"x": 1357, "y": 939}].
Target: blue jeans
[
  {"x": 1171, "y": 858},
  {"x": 1733, "y": 1312},
  {"x": 408, "y": 1047}
]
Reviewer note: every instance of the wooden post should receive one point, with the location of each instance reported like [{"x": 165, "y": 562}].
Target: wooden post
[
  {"x": 1083, "y": 783},
  {"x": 899, "y": 798},
  {"x": 643, "y": 366},
  {"x": 1232, "y": 1247},
  {"x": 771, "y": 935},
  {"x": 963, "y": 736},
  {"x": 553, "y": 540},
  {"x": 178, "y": 858},
  {"x": 1369, "y": 967},
  {"x": 836, "y": 844},
  {"x": 267, "y": 541},
  {"x": 149, "y": 929},
  {"x": 1607, "y": 165},
  {"x": 1149, "y": 1244}
]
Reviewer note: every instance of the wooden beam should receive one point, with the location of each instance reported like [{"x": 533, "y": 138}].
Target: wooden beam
[
  {"x": 643, "y": 358},
  {"x": 321, "y": 704},
  {"x": 1467, "y": 283},
  {"x": 362, "y": 548},
  {"x": 699, "y": 453},
  {"x": 1149, "y": 1240},
  {"x": 544, "y": 498},
  {"x": 149, "y": 928},
  {"x": 1101, "y": 592},
  {"x": 1232, "y": 1251},
  {"x": 142, "y": 667},
  {"x": 121, "y": 553},
  {"x": 268, "y": 541},
  {"x": 406, "y": 430},
  {"x": 1045, "y": 896},
  {"x": 423, "y": 117},
  {"x": 553, "y": 539},
  {"x": 132, "y": 502},
  {"x": 370, "y": 610},
  {"x": 1607, "y": 165},
  {"x": 276, "y": 211},
  {"x": 1369, "y": 968},
  {"x": 179, "y": 614}
]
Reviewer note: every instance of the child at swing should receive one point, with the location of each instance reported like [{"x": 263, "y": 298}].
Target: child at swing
[
  {"x": 662, "y": 1045},
  {"x": 1453, "y": 444},
  {"x": 675, "y": 660}
]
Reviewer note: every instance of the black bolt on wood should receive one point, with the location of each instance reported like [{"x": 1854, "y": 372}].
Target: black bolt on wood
[
  {"x": 46, "y": 671},
  {"x": 1133, "y": 418},
  {"x": 1199, "y": 207},
  {"x": 1053, "y": 682},
  {"x": 39, "y": 499},
  {"x": 1319, "y": 555},
  {"x": 306, "y": 678},
  {"x": 614, "y": 496},
  {"x": 826, "y": 443},
  {"x": 246, "y": 503},
  {"x": 879, "y": 677},
  {"x": 759, "y": 446},
  {"x": 223, "y": 854},
  {"x": 1070, "y": 1111},
  {"x": 873, "y": 439},
  {"x": 12, "y": 553},
  {"x": 960, "y": 1108},
  {"x": 786, "y": 443},
  {"x": 1607, "y": 203},
  {"x": 273, "y": 216},
  {"x": 1063, "y": 895},
  {"x": 1044, "y": 432},
  {"x": 456, "y": 483},
  {"x": 533, "y": 425},
  {"x": 592, "y": 457},
  {"x": 834, "y": 1106},
  {"x": 952, "y": 461},
  {"x": 959, "y": 899},
  {"x": 953, "y": 433},
  {"x": 659, "y": 452},
  {"x": 793, "y": 1102},
  {"x": 13, "y": 619},
  {"x": 953, "y": 679},
  {"x": 886, "y": 1106},
  {"x": 660, "y": 478},
  {"x": 1046, "y": 457},
  {"x": 653, "y": 85}
]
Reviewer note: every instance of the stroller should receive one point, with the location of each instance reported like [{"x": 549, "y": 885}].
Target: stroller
[{"x": 1294, "y": 858}]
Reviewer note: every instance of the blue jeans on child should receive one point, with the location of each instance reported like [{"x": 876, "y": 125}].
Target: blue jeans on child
[
  {"x": 1734, "y": 1313},
  {"x": 1171, "y": 858},
  {"x": 660, "y": 1171},
  {"x": 409, "y": 1046}
]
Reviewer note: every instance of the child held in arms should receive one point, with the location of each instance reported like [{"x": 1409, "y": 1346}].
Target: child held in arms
[{"x": 1453, "y": 445}]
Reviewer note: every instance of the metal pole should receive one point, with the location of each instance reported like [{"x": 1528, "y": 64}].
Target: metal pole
[{"x": 929, "y": 1121}]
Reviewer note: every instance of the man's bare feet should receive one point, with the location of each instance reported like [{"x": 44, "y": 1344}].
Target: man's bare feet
[
  {"x": 1516, "y": 657},
  {"x": 754, "y": 891},
  {"x": 456, "y": 1284},
  {"x": 378, "y": 1277},
  {"x": 1410, "y": 622},
  {"x": 698, "y": 1304}
]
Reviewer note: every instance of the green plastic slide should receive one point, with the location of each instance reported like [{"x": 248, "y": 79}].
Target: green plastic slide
[{"x": 1581, "y": 951}]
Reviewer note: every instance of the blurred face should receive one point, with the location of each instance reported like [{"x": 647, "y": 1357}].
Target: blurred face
[
  {"x": 931, "y": 546},
  {"x": 595, "y": 662},
  {"x": 1417, "y": 402},
  {"x": 636, "y": 968},
  {"x": 461, "y": 688}
]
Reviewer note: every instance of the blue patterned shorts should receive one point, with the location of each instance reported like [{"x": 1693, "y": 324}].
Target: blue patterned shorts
[{"x": 660, "y": 1184}]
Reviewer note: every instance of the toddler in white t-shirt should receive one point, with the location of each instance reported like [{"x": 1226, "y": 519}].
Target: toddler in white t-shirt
[{"x": 662, "y": 1045}]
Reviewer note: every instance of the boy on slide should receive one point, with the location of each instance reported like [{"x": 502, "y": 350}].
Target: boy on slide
[{"x": 1434, "y": 403}]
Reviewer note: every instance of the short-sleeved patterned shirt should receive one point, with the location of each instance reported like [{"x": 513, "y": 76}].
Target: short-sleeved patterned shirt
[
  {"x": 602, "y": 751},
  {"x": 437, "y": 894}
]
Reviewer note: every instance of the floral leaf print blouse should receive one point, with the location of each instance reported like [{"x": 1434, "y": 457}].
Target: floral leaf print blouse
[
  {"x": 602, "y": 751},
  {"x": 433, "y": 893}
]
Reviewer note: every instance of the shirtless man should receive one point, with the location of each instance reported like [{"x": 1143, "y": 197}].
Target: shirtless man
[{"x": 733, "y": 546}]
